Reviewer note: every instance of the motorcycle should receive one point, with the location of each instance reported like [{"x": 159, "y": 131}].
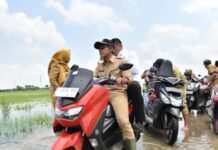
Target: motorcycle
[
  {"x": 193, "y": 88},
  {"x": 212, "y": 109},
  {"x": 197, "y": 93},
  {"x": 164, "y": 103},
  {"x": 83, "y": 115},
  {"x": 204, "y": 94}
]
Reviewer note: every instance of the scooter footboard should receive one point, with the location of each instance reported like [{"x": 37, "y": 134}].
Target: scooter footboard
[{"x": 66, "y": 140}]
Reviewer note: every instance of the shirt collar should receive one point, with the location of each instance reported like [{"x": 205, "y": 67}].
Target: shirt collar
[{"x": 112, "y": 59}]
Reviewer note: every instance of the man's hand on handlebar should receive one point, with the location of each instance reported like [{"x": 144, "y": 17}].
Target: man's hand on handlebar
[{"x": 123, "y": 80}]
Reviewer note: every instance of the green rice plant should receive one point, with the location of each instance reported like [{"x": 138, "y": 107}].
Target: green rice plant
[
  {"x": 24, "y": 125},
  {"x": 25, "y": 107},
  {"x": 5, "y": 109}
]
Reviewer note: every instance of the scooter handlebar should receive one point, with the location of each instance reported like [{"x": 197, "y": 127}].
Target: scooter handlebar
[{"x": 105, "y": 80}]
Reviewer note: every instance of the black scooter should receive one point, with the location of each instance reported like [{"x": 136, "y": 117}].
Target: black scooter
[
  {"x": 192, "y": 95},
  {"x": 163, "y": 110}
]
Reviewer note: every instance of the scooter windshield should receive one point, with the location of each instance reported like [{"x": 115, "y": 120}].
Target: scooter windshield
[{"x": 77, "y": 78}]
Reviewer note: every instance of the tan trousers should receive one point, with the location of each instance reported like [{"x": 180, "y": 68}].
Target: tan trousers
[{"x": 119, "y": 101}]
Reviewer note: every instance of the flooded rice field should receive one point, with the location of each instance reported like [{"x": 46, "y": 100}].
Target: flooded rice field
[
  {"x": 200, "y": 136},
  {"x": 26, "y": 120},
  {"x": 23, "y": 118}
]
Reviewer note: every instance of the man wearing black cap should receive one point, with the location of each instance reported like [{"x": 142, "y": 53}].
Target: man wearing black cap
[
  {"x": 118, "y": 94},
  {"x": 134, "y": 89}
]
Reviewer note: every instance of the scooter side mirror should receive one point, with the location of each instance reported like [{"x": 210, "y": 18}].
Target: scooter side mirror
[{"x": 125, "y": 66}]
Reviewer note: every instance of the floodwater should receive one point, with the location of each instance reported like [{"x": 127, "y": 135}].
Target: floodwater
[{"x": 200, "y": 137}]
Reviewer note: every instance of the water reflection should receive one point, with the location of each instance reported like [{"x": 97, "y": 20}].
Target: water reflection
[{"x": 23, "y": 118}]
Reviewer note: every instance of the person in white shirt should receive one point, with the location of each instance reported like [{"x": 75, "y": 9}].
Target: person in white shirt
[
  {"x": 133, "y": 90},
  {"x": 130, "y": 56}
]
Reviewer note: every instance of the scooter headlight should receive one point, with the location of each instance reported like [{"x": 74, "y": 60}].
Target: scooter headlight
[
  {"x": 70, "y": 113},
  {"x": 73, "y": 111},
  {"x": 58, "y": 112}
]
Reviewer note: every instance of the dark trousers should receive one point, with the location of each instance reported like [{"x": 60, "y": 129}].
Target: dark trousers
[{"x": 134, "y": 93}]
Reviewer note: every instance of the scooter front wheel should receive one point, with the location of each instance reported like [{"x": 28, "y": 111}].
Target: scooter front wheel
[
  {"x": 215, "y": 120},
  {"x": 170, "y": 134}
]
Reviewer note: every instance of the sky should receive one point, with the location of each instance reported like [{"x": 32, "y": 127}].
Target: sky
[{"x": 183, "y": 31}]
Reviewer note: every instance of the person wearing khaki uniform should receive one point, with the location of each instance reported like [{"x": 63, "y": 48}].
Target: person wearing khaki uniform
[
  {"x": 118, "y": 94},
  {"x": 185, "y": 111},
  {"x": 58, "y": 70},
  {"x": 213, "y": 74}
]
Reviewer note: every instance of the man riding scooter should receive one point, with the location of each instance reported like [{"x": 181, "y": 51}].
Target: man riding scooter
[
  {"x": 118, "y": 94},
  {"x": 134, "y": 89}
]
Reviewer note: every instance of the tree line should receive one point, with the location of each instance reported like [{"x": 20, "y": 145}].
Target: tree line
[{"x": 24, "y": 88}]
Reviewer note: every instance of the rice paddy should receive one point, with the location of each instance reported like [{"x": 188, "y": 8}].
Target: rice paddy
[{"x": 23, "y": 111}]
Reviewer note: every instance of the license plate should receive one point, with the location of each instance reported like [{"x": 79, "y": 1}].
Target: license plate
[
  {"x": 66, "y": 92},
  {"x": 172, "y": 89}
]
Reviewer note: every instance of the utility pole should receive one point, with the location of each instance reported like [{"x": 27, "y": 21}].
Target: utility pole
[{"x": 40, "y": 80}]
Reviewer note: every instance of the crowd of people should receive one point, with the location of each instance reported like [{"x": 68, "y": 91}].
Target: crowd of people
[{"x": 112, "y": 54}]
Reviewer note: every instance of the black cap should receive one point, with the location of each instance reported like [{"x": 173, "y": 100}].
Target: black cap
[
  {"x": 207, "y": 62},
  {"x": 103, "y": 42},
  {"x": 216, "y": 63}
]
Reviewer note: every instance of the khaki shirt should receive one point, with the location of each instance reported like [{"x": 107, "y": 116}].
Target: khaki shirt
[
  {"x": 178, "y": 73},
  {"x": 57, "y": 74},
  {"x": 213, "y": 73},
  {"x": 104, "y": 68}
]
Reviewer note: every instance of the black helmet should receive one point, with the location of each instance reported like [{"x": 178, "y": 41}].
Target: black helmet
[{"x": 207, "y": 62}]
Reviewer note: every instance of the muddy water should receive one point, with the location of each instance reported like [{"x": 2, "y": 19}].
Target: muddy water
[{"x": 200, "y": 137}]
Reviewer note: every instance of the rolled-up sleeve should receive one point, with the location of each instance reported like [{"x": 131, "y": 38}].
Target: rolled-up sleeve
[{"x": 96, "y": 72}]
